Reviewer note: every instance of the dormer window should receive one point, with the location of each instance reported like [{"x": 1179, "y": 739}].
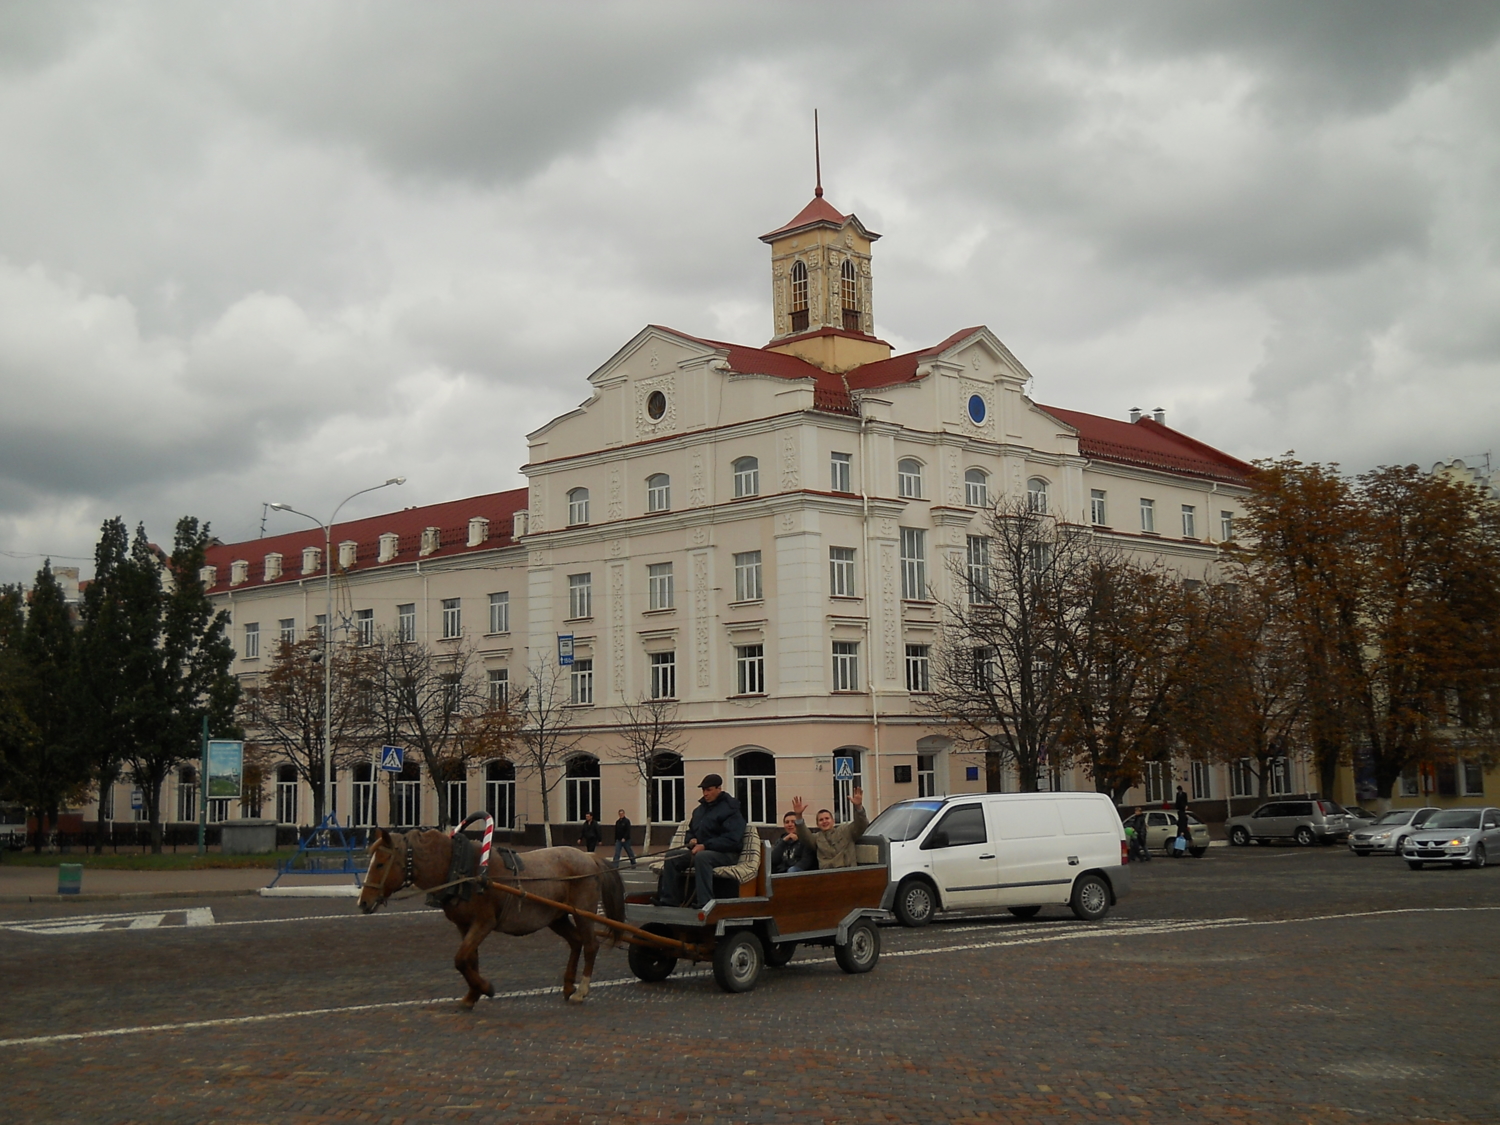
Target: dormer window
[
  {"x": 799, "y": 297},
  {"x": 578, "y": 506},
  {"x": 658, "y": 493},
  {"x": 850, "y": 292}
]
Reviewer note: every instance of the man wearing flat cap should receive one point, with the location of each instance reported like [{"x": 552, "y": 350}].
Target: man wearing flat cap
[{"x": 714, "y": 838}]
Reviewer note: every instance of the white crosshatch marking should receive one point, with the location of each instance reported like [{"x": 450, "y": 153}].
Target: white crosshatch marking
[{"x": 105, "y": 923}]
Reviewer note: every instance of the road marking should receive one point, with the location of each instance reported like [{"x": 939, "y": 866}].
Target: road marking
[
  {"x": 113, "y": 923},
  {"x": 1094, "y": 932}
]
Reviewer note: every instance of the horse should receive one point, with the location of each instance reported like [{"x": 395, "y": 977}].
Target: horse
[{"x": 565, "y": 875}]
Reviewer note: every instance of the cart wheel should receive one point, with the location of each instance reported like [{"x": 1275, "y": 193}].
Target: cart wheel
[
  {"x": 650, "y": 963},
  {"x": 780, "y": 953},
  {"x": 862, "y": 950},
  {"x": 737, "y": 961}
]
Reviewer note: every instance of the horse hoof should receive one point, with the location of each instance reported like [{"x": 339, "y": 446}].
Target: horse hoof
[
  {"x": 490, "y": 992},
  {"x": 467, "y": 1004},
  {"x": 577, "y": 998}
]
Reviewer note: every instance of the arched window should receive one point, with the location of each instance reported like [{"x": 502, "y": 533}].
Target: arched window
[
  {"x": 799, "y": 297},
  {"x": 286, "y": 794},
  {"x": 977, "y": 488},
  {"x": 406, "y": 794},
  {"x": 454, "y": 791},
  {"x": 755, "y": 786},
  {"x": 581, "y": 786},
  {"x": 1036, "y": 495},
  {"x": 658, "y": 493},
  {"x": 909, "y": 478},
  {"x": 578, "y": 506},
  {"x": 667, "y": 796},
  {"x": 364, "y": 794},
  {"x": 500, "y": 792},
  {"x": 746, "y": 477},
  {"x": 850, "y": 291}
]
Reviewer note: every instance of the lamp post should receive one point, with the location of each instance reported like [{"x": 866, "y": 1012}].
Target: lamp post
[{"x": 328, "y": 624}]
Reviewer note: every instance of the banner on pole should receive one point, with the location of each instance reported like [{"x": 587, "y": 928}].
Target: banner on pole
[{"x": 226, "y": 767}]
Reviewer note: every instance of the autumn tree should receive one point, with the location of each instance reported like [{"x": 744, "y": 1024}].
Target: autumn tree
[{"x": 650, "y": 735}]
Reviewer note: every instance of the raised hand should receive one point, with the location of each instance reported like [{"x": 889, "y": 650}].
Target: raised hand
[
  {"x": 799, "y": 806},
  {"x": 857, "y": 797}
]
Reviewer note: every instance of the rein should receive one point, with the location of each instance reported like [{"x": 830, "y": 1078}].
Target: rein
[{"x": 409, "y": 888}]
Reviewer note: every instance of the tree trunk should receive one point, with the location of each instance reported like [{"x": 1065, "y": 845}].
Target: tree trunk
[{"x": 153, "y": 811}]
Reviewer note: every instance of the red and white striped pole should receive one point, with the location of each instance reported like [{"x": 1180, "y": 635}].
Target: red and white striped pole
[{"x": 489, "y": 836}]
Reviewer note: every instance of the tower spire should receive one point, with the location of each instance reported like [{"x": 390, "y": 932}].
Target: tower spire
[{"x": 817, "y": 157}]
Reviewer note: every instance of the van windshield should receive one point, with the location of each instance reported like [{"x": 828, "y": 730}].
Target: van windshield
[{"x": 904, "y": 821}]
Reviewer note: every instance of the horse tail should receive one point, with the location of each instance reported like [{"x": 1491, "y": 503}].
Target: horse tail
[{"x": 612, "y": 893}]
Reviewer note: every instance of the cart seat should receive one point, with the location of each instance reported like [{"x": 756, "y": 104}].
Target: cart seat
[{"x": 738, "y": 879}]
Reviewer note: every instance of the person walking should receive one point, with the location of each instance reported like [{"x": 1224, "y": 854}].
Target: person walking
[
  {"x": 622, "y": 839},
  {"x": 1182, "y": 802},
  {"x": 588, "y": 835}
]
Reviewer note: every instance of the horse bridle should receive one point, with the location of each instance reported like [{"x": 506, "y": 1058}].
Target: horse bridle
[{"x": 408, "y": 875}]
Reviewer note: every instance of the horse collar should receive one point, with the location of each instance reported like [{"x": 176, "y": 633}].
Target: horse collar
[{"x": 410, "y": 875}]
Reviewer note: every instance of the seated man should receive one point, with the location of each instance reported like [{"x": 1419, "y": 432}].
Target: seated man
[
  {"x": 714, "y": 837},
  {"x": 792, "y": 854},
  {"x": 834, "y": 846}
]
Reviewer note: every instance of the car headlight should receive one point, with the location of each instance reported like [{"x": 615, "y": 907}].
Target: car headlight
[
  {"x": 1459, "y": 842},
  {"x": 1382, "y": 838}
]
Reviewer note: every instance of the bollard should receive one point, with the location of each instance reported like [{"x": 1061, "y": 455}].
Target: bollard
[{"x": 69, "y": 878}]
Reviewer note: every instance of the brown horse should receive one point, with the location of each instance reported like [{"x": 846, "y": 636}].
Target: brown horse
[{"x": 564, "y": 875}]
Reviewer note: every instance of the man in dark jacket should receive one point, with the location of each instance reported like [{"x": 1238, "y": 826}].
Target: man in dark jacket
[
  {"x": 714, "y": 838},
  {"x": 588, "y": 835},
  {"x": 622, "y": 839},
  {"x": 792, "y": 853}
]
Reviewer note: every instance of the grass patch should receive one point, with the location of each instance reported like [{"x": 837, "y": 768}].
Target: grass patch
[{"x": 138, "y": 861}]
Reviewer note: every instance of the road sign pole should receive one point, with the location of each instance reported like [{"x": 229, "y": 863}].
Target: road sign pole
[{"x": 203, "y": 792}]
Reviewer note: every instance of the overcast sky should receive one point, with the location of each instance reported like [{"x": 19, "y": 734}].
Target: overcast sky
[{"x": 258, "y": 252}]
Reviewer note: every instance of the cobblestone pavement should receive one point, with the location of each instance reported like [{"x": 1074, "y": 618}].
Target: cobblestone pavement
[{"x": 1229, "y": 989}]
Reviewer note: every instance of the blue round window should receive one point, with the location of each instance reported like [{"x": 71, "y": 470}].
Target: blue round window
[{"x": 976, "y": 409}]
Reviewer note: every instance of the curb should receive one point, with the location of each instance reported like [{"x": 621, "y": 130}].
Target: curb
[
  {"x": 117, "y": 895},
  {"x": 338, "y": 890}
]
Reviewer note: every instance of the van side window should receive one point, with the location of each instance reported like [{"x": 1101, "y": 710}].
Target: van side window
[{"x": 963, "y": 825}]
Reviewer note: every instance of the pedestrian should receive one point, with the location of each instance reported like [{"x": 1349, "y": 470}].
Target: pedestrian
[
  {"x": 622, "y": 839},
  {"x": 588, "y": 835},
  {"x": 1182, "y": 802}
]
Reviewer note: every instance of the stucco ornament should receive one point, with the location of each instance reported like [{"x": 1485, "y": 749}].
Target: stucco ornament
[
  {"x": 976, "y": 400},
  {"x": 701, "y": 616},
  {"x": 645, "y": 424}
]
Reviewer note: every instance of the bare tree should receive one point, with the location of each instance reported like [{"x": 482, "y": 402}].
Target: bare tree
[
  {"x": 1000, "y": 675},
  {"x": 545, "y": 728},
  {"x": 649, "y": 732}
]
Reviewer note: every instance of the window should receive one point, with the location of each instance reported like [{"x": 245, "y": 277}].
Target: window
[
  {"x": 1226, "y": 526},
  {"x": 500, "y": 612},
  {"x": 850, "y": 292},
  {"x": 746, "y": 477},
  {"x": 1036, "y": 496},
  {"x": 1241, "y": 779},
  {"x": 913, "y": 564},
  {"x": 985, "y": 670},
  {"x": 659, "y": 585},
  {"x": 1098, "y": 510},
  {"x": 841, "y": 572},
  {"x": 455, "y": 794},
  {"x": 755, "y": 787},
  {"x": 580, "y": 595},
  {"x": 839, "y": 473},
  {"x": 978, "y": 554},
  {"x": 1202, "y": 781},
  {"x": 499, "y": 686},
  {"x": 252, "y": 641},
  {"x": 749, "y": 669},
  {"x": 406, "y": 796},
  {"x": 666, "y": 797},
  {"x": 1189, "y": 521},
  {"x": 452, "y": 685},
  {"x": 799, "y": 297},
  {"x": 578, "y": 506},
  {"x": 581, "y": 786},
  {"x": 909, "y": 478},
  {"x": 977, "y": 488},
  {"x": 452, "y": 618},
  {"x": 963, "y": 825},
  {"x": 1410, "y": 786},
  {"x": 658, "y": 493},
  {"x": 917, "y": 668},
  {"x": 926, "y": 775},
  {"x": 843, "y": 807},
  {"x": 187, "y": 792},
  {"x": 364, "y": 795},
  {"x": 582, "y": 680},
  {"x": 845, "y": 665},
  {"x": 1157, "y": 782},
  {"x": 364, "y": 626},
  {"x": 747, "y": 586},
  {"x": 320, "y": 622},
  {"x": 287, "y": 627},
  {"x": 1473, "y": 778},
  {"x": 1280, "y": 781},
  {"x": 663, "y": 675},
  {"x": 406, "y": 623},
  {"x": 500, "y": 793},
  {"x": 286, "y": 794},
  {"x": 1148, "y": 514}
]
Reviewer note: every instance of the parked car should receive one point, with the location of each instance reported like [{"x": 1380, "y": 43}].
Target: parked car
[
  {"x": 1306, "y": 821},
  {"x": 1160, "y": 829},
  {"x": 1389, "y": 833},
  {"x": 1462, "y": 837},
  {"x": 1021, "y": 851},
  {"x": 1359, "y": 818}
]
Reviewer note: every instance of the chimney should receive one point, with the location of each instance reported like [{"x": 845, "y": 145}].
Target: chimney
[
  {"x": 209, "y": 576},
  {"x": 479, "y": 530},
  {"x": 518, "y": 524},
  {"x": 1135, "y": 413},
  {"x": 312, "y": 559},
  {"x": 1160, "y": 415},
  {"x": 432, "y": 539},
  {"x": 239, "y": 572},
  {"x": 348, "y": 552},
  {"x": 272, "y": 569},
  {"x": 390, "y": 546}
]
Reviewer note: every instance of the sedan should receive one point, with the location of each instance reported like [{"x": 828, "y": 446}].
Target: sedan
[
  {"x": 1389, "y": 833},
  {"x": 1462, "y": 837}
]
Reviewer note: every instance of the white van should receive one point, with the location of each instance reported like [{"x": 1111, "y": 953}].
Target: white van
[{"x": 1022, "y": 851}]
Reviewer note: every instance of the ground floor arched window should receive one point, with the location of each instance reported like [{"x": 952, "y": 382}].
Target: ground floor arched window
[
  {"x": 500, "y": 792},
  {"x": 287, "y": 788},
  {"x": 187, "y": 793},
  {"x": 581, "y": 786},
  {"x": 755, "y": 786},
  {"x": 667, "y": 799},
  {"x": 406, "y": 795},
  {"x": 364, "y": 795},
  {"x": 454, "y": 792},
  {"x": 843, "y": 807}
]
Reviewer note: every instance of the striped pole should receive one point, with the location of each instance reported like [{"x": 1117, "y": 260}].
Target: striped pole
[{"x": 489, "y": 836}]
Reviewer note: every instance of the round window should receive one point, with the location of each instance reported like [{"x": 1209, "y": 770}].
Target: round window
[
  {"x": 976, "y": 409},
  {"x": 656, "y": 405}
]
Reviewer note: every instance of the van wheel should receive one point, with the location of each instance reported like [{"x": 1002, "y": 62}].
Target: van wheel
[
  {"x": 915, "y": 903},
  {"x": 1090, "y": 900},
  {"x": 1025, "y": 911},
  {"x": 1240, "y": 836},
  {"x": 1304, "y": 836},
  {"x": 862, "y": 950}
]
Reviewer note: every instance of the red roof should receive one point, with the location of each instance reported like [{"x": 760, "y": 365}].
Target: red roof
[
  {"x": 1148, "y": 444},
  {"x": 819, "y": 213},
  {"x": 451, "y": 517}
]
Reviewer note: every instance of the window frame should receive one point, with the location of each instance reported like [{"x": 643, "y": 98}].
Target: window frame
[
  {"x": 364, "y": 627},
  {"x": 252, "y": 640},
  {"x": 746, "y": 472},
  {"x": 840, "y": 472},
  {"x": 909, "y": 482},
  {"x": 913, "y": 556},
  {"x": 748, "y": 584},
  {"x": 660, "y": 594},
  {"x": 978, "y": 569},
  {"x": 578, "y": 506},
  {"x": 500, "y": 611},
  {"x": 581, "y": 596},
  {"x": 663, "y": 677},
  {"x": 840, "y": 569},
  {"x": 1226, "y": 526},
  {"x": 976, "y": 488},
  {"x": 497, "y": 686},
  {"x": 919, "y": 668},
  {"x": 453, "y": 621},
  {"x": 1038, "y": 495},
  {"x": 1098, "y": 507},
  {"x": 406, "y": 623},
  {"x": 1190, "y": 521},
  {"x": 1148, "y": 515},
  {"x": 846, "y": 666},
  {"x": 658, "y": 493},
  {"x": 750, "y": 669},
  {"x": 581, "y": 682}
]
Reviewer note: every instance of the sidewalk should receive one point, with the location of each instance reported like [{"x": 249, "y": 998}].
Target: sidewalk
[{"x": 39, "y": 884}]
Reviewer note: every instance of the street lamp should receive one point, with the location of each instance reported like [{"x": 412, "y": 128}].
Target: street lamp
[{"x": 328, "y": 623}]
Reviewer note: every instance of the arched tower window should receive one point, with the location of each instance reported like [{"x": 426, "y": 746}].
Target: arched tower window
[
  {"x": 578, "y": 506},
  {"x": 977, "y": 488},
  {"x": 850, "y": 290},
  {"x": 658, "y": 492},
  {"x": 799, "y": 297},
  {"x": 1036, "y": 495},
  {"x": 909, "y": 479}
]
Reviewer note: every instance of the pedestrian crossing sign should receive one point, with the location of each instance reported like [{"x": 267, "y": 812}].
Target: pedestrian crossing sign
[
  {"x": 843, "y": 769},
  {"x": 392, "y": 759}
]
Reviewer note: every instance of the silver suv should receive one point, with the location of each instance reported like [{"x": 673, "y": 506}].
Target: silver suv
[
  {"x": 1307, "y": 821},
  {"x": 1389, "y": 832}
]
